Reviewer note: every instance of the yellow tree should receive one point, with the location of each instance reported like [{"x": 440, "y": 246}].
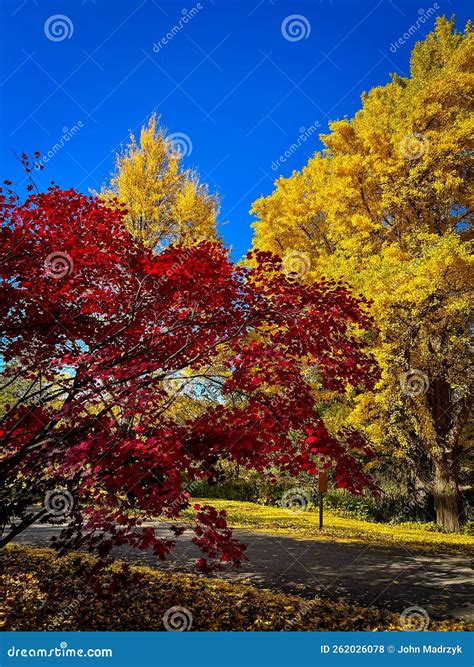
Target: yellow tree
[
  {"x": 388, "y": 206},
  {"x": 165, "y": 202}
]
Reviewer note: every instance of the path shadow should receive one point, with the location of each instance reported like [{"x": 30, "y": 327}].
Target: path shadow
[{"x": 388, "y": 577}]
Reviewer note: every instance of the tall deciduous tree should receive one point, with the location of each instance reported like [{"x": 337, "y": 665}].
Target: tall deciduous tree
[
  {"x": 165, "y": 202},
  {"x": 388, "y": 205},
  {"x": 100, "y": 336}
]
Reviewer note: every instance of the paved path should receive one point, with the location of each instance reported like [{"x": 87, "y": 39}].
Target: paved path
[{"x": 389, "y": 577}]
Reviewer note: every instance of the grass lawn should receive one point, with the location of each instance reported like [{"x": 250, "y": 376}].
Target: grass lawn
[
  {"x": 304, "y": 525},
  {"x": 44, "y": 592}
]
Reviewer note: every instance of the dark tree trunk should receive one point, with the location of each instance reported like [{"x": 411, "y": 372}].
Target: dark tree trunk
[
  {"x": 25, "y": 523},
  {"x": 450, "y": 414},
  {"x": 448, "y": 499},
  {"x": 419, "y": 476}
]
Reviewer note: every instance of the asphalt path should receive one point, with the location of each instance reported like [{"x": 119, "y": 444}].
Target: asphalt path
[{"x": 393, "y": 578}]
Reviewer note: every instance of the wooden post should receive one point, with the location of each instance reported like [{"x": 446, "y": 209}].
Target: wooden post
[{"x": 322, "y": 488}]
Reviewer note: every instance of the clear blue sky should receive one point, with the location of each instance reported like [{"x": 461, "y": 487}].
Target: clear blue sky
[{"x": 228, "y": 79}]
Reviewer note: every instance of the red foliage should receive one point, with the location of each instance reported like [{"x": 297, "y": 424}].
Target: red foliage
[{"x": 96, "y": 327}]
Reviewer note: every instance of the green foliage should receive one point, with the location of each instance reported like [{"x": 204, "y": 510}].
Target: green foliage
[
  {"x": 386, "y": 508},
  {"x": 251, "y": 486},
  {"x": 392, "y": 506},
  {"x": 469, "y": 527},
  {"x": 239, "y": 489}
]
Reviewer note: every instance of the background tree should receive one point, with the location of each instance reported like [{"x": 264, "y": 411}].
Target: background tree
[
  {"x": 388, "y": 206},
  {"x": 101, "y": 336},
  {"x": 165, "y": 202}
]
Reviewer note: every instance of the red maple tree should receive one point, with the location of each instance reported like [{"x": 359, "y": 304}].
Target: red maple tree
[{"x": 101, "y": 338}]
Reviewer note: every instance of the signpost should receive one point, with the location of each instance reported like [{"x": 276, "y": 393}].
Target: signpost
[{"x": 322, "y": 488}]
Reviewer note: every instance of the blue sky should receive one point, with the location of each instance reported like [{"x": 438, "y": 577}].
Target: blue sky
[{"x": 241, "y": 79}]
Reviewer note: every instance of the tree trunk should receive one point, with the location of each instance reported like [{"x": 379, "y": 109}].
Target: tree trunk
[
  {"x": 25, "y": 523},
  {"x": 448, "y": 499},
  {"x": 419, "y": 476},
  {"x": 449, "y": 418}
]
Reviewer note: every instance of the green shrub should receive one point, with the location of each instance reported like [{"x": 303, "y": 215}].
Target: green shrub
[
  {"x": 252, "y": 488},
  {"x": 394, "y": 505},
  {"x": 236, "y": 489},
  {"x": 389, "y": 507}
]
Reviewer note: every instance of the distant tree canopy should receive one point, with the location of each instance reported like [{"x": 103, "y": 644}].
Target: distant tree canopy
[{"x": 164, "y": 201}]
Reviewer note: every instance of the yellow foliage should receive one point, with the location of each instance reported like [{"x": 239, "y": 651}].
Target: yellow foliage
[
  {"x": 304, "y": 525},
  {"x": 388, "y": 206},
  {"x": 58, "y": 598},
  {"x": 165, "y": 203}
]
